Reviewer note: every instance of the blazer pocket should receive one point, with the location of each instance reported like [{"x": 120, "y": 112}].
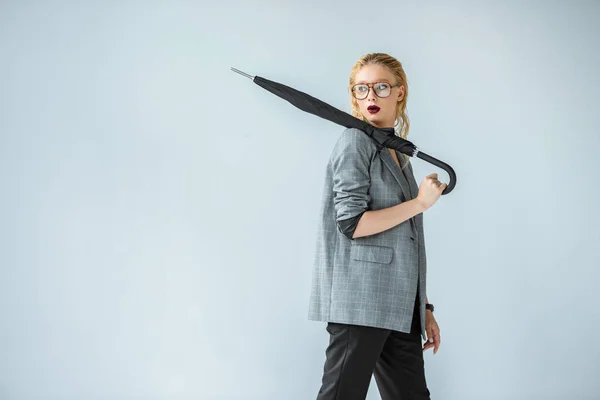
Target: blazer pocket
[{"x": 371, "y": 253}]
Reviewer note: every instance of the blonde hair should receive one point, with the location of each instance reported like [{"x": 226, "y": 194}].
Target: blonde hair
[{"x": 401, "y": 123}]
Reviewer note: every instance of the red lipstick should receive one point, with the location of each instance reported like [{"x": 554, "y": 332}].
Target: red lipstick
[{"x": 373, "y": 109}]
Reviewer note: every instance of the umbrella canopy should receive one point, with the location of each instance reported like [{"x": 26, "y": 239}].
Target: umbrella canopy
[{"x": 312, "y": 105}]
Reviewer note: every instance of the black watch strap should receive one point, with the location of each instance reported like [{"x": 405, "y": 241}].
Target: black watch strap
[{"x": 429, "y": 307}]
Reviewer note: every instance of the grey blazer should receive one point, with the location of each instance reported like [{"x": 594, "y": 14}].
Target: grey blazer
[{"x": 371, "y": 280}]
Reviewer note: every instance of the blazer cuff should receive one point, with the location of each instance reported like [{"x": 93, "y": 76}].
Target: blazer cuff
[{"x": 348, "y": 226}]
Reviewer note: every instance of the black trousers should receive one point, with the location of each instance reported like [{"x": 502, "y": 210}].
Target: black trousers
[{"x": 355, "y": 353}]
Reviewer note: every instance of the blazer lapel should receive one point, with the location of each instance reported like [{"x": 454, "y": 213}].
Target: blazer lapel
[
  {"x": 409, "y": 175},
  {"x": 388, "y": 160},
  {"x": 417, "y": 220}
]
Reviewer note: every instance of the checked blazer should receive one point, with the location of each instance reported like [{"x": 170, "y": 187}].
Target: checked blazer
[{"x": 371, "y": 280}]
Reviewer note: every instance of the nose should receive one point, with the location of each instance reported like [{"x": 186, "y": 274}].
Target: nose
[{"x": 371, "y": 93}]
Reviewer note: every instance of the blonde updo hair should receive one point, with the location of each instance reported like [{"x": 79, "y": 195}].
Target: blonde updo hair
[{"x": 402, "y": 123}]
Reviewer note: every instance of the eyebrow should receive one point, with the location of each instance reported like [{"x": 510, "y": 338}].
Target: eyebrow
[{"x": 378, "y": 80}]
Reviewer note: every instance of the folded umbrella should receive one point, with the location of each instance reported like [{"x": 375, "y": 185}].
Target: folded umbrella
[{"x": 312, "y": 105}]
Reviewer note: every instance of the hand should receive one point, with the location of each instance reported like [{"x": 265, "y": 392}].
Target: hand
[
  {"x": 430, "y": 190},
  {"x": 433, "y": 333}
]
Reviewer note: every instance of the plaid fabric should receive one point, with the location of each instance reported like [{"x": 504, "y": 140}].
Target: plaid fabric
[{"x": 369, "y": 280}]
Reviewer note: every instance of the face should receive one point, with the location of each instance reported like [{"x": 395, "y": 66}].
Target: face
[{"x": 379, "y": 111}]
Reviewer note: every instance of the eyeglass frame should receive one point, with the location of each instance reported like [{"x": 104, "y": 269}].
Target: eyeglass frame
[{"x": 370, "y": 86}]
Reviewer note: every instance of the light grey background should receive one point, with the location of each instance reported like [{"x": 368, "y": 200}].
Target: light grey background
[{"x": 158, "y": 211}]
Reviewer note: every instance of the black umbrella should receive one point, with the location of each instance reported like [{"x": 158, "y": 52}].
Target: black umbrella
[{"x": 321, "y": 109}]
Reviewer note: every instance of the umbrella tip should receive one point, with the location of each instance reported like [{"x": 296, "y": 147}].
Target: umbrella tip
[{"x": 242, "y": 73}]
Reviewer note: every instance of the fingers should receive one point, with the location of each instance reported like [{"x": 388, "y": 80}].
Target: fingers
[
  {"x": 441, "y": 186},
  {"x": 434, "y": 179},
  {"x": 434, "y": 339},
  {"x": 437, "y": 340},
  {"x": 428, "y": 345}
]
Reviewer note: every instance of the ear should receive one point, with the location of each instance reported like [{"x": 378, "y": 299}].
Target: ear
[{"x": 401, "y": 93}]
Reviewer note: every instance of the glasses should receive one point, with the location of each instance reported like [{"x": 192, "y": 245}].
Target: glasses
[{"x": 381, "y": 89}]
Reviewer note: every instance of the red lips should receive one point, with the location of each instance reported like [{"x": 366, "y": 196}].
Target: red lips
[{"x": 373, "y": 109}]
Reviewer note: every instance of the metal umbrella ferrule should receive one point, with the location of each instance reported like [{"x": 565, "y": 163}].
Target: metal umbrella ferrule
[{"x": 242, "y": 73}]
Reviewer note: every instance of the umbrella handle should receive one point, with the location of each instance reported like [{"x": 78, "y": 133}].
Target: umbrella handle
[{"x": 442, "y": 165}]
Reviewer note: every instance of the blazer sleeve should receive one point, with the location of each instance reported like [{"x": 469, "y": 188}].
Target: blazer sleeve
[{"x": 350, "y": 162}]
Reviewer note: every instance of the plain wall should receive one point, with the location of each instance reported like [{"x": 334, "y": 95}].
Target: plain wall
[{"x": 159, "y": 212}]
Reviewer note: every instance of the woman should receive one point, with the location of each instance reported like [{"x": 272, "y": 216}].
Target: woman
[{"x": 369, "y": 276}]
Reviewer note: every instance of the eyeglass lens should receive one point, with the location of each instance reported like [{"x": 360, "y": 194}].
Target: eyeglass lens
[{"x": 381, "y": 89}]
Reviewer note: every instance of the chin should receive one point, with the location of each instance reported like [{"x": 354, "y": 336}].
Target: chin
[
  {"x": 374, "y": 120},
  {"x": 370, "y": 117}
]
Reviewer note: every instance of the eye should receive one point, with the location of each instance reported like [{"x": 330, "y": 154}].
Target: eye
[
  {"x": 361, "y": 88},
  {"x": 382, "y": 86}
]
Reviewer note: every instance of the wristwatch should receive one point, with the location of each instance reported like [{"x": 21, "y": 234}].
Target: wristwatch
[{"x": 429, "y": 307}]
